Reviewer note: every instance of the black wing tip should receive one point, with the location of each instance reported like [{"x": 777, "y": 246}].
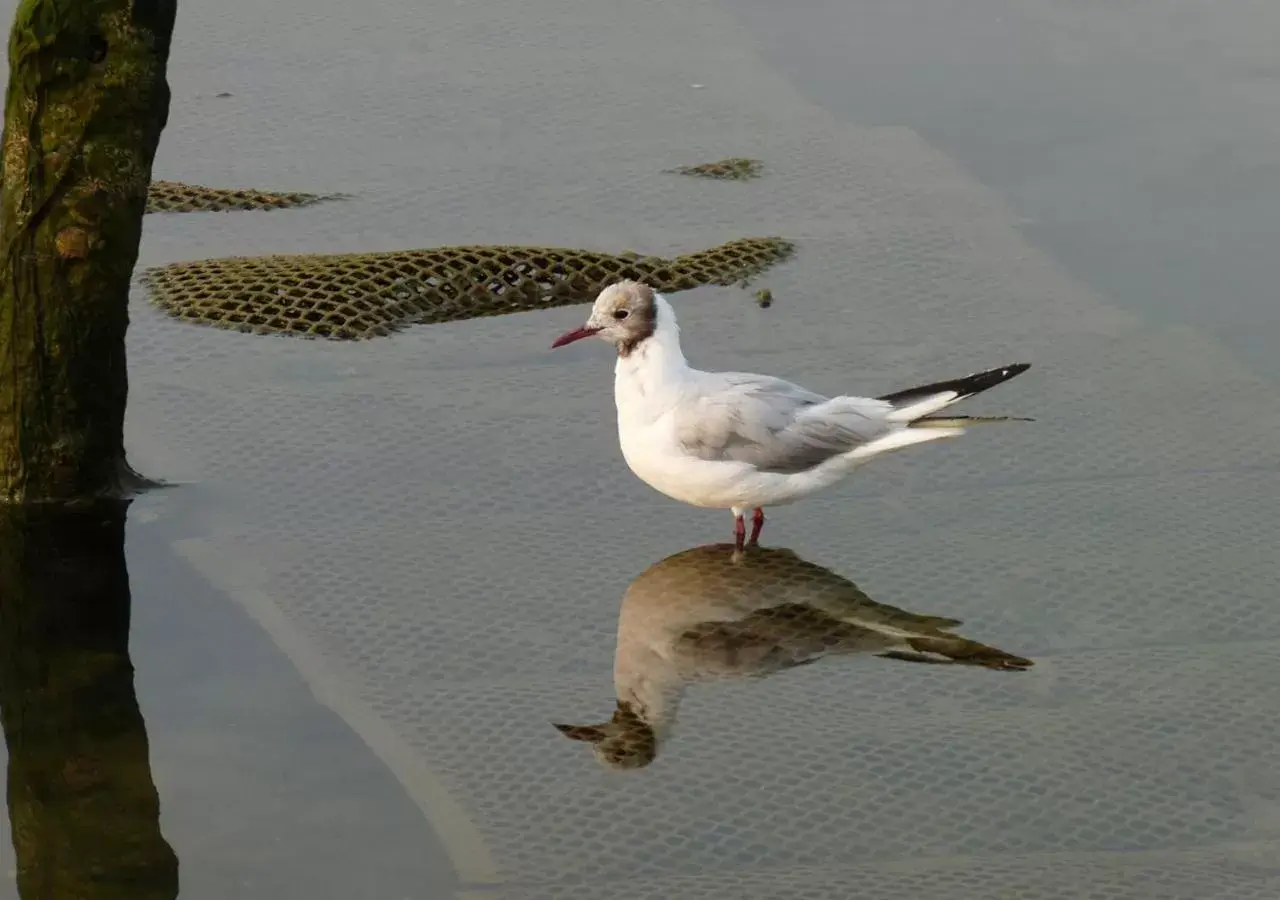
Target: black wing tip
[
  {"x": 1003, "y": 373},
  {"x": 984, "y": 381},
  {"x": 963, "y": 387}
]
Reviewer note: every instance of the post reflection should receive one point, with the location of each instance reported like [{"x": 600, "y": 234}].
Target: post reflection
[
  {"x": 83, "y": 808},
  {"x": 708, "y": 613}
]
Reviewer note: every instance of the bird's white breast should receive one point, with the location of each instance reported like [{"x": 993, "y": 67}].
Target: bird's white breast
[
  {"x": 650, "y": 384},
  {"x": 647, "y": 437}
]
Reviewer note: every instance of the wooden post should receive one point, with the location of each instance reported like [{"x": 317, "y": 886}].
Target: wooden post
[
  {"x": 83, "y": 806},
  {"x": 86, "y": 104}
]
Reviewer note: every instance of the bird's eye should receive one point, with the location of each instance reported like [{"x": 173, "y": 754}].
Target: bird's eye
[{"x": 621, "y": 314}]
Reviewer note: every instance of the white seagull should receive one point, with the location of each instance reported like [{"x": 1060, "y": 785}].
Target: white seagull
[{"x": 738, "y": 441}]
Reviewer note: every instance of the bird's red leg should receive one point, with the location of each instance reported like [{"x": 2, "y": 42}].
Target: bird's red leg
[
  {"x": 739, "y": 531},
  {"x": 757, "y": 524}
]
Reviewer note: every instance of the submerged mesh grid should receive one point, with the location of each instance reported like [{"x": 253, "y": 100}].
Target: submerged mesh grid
[
  {"x": 176, "y": 197},
  {"x": 734, "y": 168},
  {"x": 1177, "y": 875},
  {"x": 363, "y": 295}
]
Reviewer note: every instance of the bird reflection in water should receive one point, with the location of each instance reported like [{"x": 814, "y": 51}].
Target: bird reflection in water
[{"x": 709, "y": 613}]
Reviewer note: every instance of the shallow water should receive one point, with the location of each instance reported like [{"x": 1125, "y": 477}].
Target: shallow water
[{"x": 389, "y": 567}]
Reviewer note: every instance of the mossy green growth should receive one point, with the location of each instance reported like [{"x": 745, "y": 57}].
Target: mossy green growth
[
  {"x": 734, "y": 168},
  {"x": 177, "y": 197},
  {"x": 351, "y": 296},
  {"x": 87, "y": 100}
]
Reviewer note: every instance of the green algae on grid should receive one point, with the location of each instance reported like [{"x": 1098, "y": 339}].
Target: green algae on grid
[
  {"x": 177, "y": 197},
  {"x": 733, "y": 168},
  {"x": 355, "y": 296}
]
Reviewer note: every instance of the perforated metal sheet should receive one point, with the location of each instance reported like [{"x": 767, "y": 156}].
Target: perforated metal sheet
[{"x": 439, "y": 528}]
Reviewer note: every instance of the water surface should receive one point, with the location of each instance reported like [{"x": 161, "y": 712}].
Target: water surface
[{"x": 390, "y": 567}]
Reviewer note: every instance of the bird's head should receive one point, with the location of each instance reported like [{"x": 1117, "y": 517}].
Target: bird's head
[{"x": 624, "y": 314}]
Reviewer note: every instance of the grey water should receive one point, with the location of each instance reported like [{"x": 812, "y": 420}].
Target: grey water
[{"x": 387, "y": 569}]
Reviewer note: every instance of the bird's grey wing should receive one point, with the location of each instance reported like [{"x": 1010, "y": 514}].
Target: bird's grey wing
[
  {"x": 736, "y": 649},
  {"x": 776, "y": 638},
  {"x": 772, "y": 424}
]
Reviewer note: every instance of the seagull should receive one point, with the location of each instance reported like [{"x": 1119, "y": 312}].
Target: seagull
[{"x": 740, "y": 441}]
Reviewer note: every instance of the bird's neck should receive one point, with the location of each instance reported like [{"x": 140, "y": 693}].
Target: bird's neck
[
  {"x": 655, "y": 363},
  {"x": 654, "y": 694}
]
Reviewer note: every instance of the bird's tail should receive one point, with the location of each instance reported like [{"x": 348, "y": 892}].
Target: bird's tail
[
  {"x": 961, "y": 421},
  {"x": 955, "y": 650},
  {"x": 916, "y": 406}
]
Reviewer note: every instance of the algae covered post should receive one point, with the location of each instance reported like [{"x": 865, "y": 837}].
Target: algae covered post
[{"x": 86, "y": 103}]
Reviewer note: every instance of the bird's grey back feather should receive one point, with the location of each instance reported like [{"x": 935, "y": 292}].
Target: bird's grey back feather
[{"x": 772, "y": 424}]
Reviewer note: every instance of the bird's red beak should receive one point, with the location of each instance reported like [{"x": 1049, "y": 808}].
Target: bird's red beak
[{"x": 576, "y": 335}]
